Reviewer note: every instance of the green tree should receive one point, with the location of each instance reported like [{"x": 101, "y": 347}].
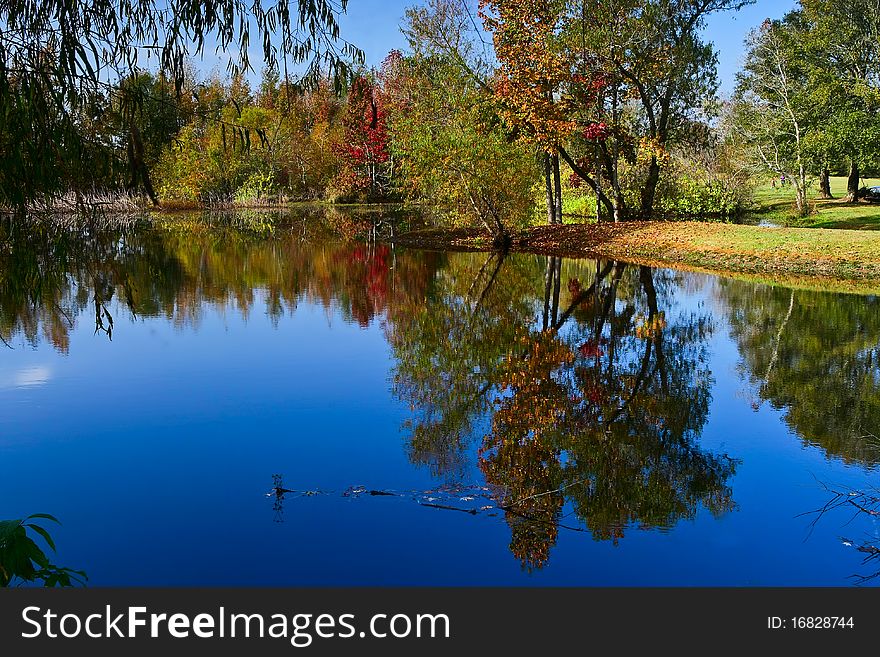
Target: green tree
[
  {"x": 809, "y": 94},
  {"x": 773, "y": 104},
  {"x": 798, "y": 345},
  {"x": 840, "y": 41},
  {"x": 446, "y": 135}
]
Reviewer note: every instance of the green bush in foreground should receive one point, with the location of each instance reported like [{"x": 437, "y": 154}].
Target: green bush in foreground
[{"x": 23, "y": 561}]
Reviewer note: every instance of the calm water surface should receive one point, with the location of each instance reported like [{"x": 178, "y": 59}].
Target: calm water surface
[{"x": 217, "y": 405}]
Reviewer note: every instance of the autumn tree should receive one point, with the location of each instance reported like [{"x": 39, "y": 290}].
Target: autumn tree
[
  {"x": 301, "y": 136},
  {"x": 602, "y": 84},
  {"x": 364, "y": 147},
  {"x": 223, "y": 153},
  {"x": 532, "y": 72}
]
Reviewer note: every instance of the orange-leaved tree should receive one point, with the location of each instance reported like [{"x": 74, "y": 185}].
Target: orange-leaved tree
[
  {"x": 545, "y": 93},
  {"x": 605, "y": 84}
]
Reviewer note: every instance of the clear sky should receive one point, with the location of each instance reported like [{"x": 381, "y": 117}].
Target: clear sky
[{"x": 374, "y": 26}]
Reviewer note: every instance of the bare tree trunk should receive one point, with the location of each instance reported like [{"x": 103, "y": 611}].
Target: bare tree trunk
[
  {"x": 800, "y": 199},
  {"x": 620, "y": 211},
  {"x": 825, "y": 183},
  {"x": 548, "y": 186},
  {"x": 801, "y": 190},
  {"x": 650, "y": 189},
  {"x": 852, "y": 183},
  {"x": 136, "y": 164},
  {"x": 557, "y": 187},
  {"x": 598, "y": 166}
]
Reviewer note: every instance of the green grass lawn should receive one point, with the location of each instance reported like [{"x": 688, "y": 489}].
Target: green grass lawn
[
  {"x": 777, "y": 206},
  {"x": 773, "y": 205}
]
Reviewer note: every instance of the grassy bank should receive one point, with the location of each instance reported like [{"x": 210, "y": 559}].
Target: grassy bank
[
  {"x": 844, "y": 260},
  {"x": 776, "y": 205}
]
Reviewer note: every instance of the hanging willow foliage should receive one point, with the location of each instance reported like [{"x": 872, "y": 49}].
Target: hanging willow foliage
[{"x": 61, "y": 60}]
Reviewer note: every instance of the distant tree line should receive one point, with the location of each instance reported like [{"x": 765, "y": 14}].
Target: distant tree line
[{"x": 498, "y": 107}]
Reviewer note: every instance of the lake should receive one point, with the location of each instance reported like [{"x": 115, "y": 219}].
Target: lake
[{"x": 260, "y": 402}]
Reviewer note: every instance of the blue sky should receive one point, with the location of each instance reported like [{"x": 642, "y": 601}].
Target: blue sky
[{"x": 374, "y": 26}]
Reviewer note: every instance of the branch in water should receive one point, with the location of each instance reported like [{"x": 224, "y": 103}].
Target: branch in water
[
  {"x": 446, "y": 497},
  {"x": 865, "y": 502}
]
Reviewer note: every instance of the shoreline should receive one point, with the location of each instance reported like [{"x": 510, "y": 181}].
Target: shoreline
[
  {"x": 840, "y": 260},
  {"x": 809, "y": 258}
]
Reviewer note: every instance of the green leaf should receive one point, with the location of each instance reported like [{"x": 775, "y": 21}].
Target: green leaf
[
  {"x": 42, "y": 532},
  {"x": 45, "y": 516}
]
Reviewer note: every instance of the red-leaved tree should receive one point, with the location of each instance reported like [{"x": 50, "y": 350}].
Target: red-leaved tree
[{"x": 364, "y": 152}]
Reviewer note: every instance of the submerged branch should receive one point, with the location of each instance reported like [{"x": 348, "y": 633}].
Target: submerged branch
[
  {"x": 482, "y": 499},
  {"x": 865, "y": 502}
]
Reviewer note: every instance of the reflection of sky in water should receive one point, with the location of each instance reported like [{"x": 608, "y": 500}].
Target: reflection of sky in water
[
  {"x": 156, "y": 451},
  {"x": 26, "y": 377}
]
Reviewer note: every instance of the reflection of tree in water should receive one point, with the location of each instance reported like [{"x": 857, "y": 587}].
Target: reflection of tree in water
[
  {"x": 53, "y": 272},
  {"x": 817, "y": 357},
  {"x": 591, "y": 395},
  {"x": 50, "y": 273},
  {"x": 449, "y": 350},
  {"x": 589, "y": 389}
]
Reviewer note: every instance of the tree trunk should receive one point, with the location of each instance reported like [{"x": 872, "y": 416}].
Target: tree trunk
[
  {"x": 501, "y": 241},
  {"x": 650, "y": 189},
  {"x": 548, "y": 186},
  {"x": 825, "y": 183},
  {"x": 136, "y": 164},
  {"x": 801, "y": 185},
  {"x": 800, "y": 200},
  {"x": 852, "y": 183},
  {"x": 620, "y": 212},
  {"x": 588, "y": 178},
  {"x": 557, "y": 188}
]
